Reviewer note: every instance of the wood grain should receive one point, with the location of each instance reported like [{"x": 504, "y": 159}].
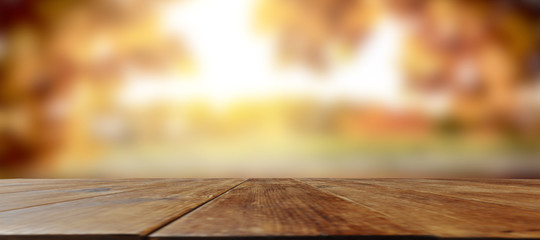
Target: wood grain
[
  {"x": 125, "y": 215},
  {"x": 526, "y": 197},
  {"x": 53, "y": 209},
  {"x": 495, "y": 181},
  {"x": 439, "y": 215},
  {"x": 281, "y": 207},
  {"x": 63, "y": 193},
  {"x": 25, "y": 185}
]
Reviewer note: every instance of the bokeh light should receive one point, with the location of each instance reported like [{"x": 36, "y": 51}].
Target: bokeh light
[{"x": 296, "y": 88}]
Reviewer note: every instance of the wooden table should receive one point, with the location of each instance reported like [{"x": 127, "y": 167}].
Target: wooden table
[{"x": 263, "y": 208}]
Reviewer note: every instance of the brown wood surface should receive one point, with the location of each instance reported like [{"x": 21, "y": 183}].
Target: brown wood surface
[
  {"x": 439, "y": 214},
  {"x": 67, "y": 192},
  {"x": 262, "y": 208},
  {"x": 520, "y": 196},
  {"x": 24, "y": 185},
  {"x": 126, "y": 215},
  {"x": 281, "y": 207}
]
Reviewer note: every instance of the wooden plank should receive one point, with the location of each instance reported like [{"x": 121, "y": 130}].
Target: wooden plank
[
  {"x": 127, "y": 215},
  {"x": 533, "y": 183},
  {"x": 524, "y": 197},
  {"x": 24, "y": 185},
  {"x": 441, "y": 216},
  {"x": 17, "y": 200},
  {"x": 281, "y": 207}
]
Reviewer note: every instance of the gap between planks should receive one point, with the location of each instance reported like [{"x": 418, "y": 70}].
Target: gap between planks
[
  {"x": 149, "y": 232},
  {"x": 126, "y": 233}
]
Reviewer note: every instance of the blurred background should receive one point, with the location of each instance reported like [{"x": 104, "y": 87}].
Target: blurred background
[{"x": 269, "y": 88}]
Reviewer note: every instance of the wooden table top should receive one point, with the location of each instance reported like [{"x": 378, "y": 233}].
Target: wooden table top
[{"x": 263, "y": 208}]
